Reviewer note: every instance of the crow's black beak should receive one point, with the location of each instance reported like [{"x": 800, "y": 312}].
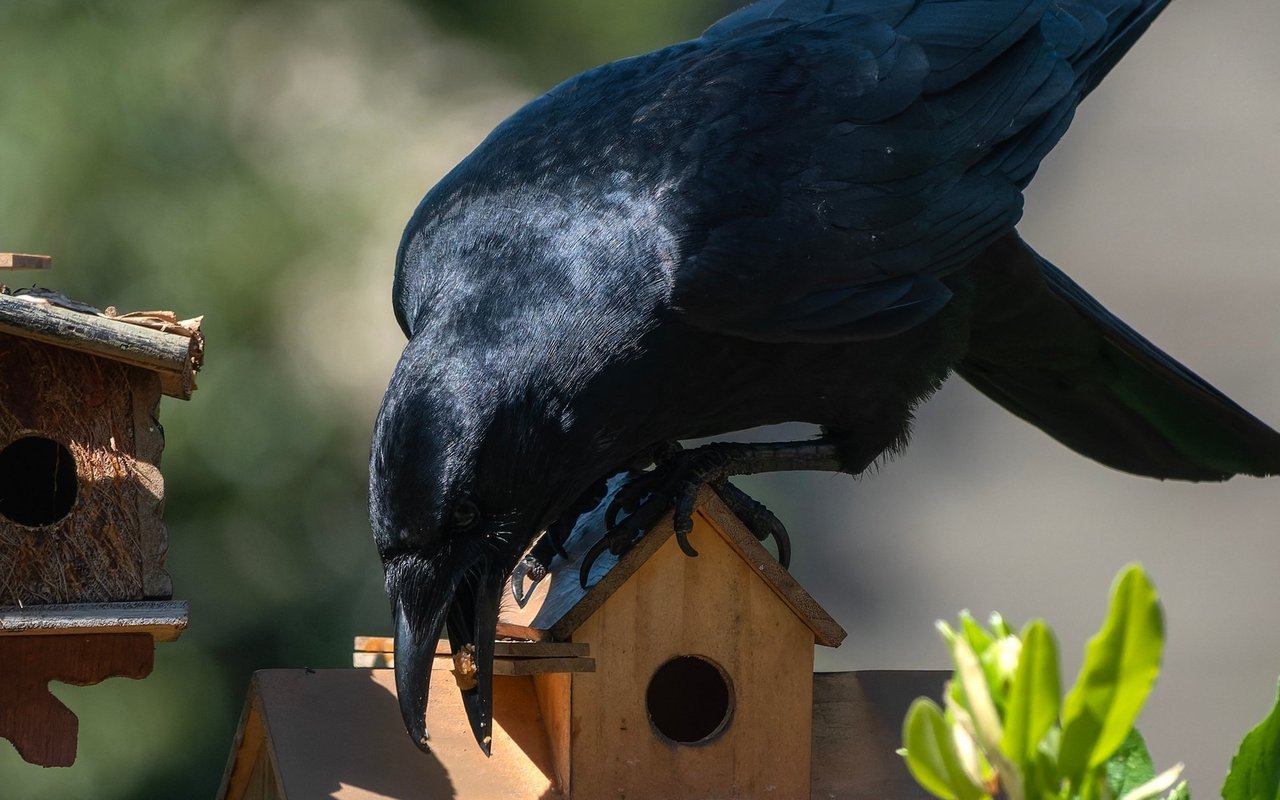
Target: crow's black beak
[
  {"x": 472, "y": 623},
  {"x": 467, "y": 605}
]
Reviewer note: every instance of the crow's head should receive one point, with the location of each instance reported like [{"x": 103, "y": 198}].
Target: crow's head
[
  {"x": 448, "y": 530},
  {"x": 503, "y": 408},
  {"x": 469, "y": 464}
]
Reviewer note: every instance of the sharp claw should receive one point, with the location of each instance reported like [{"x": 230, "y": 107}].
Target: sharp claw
[
  {"x": 615, "y": 506},
  {"x": 682, "y": 539},
  {"x": 556, "y": 536},
  {"x": 590, "y": 559},
  {"x": 783, "y": 539},
  {"x": 536, "y": 572},
  {"x": 762, "y": 522},
  {"x": 682, "y": 513}
]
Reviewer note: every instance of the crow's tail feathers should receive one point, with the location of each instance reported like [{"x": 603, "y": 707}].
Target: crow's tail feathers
[{"x": 1047, "y": 351}]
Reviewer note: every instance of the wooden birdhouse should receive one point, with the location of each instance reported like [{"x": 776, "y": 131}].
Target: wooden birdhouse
[
  {"x": 668, "y": 677},
  {"x": 83, "y": 588},
  {"x": 703, "y": 681}
]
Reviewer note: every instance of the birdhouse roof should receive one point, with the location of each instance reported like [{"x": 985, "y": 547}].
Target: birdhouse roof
[
  {"x": 154, "y": 340},
  {"x": 567, "y": 605}
]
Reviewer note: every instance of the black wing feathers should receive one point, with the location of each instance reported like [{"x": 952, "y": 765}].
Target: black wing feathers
[{"x": 902, "y": 158}]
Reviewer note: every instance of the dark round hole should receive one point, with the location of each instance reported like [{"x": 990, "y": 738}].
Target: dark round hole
[
  {"x": 37, "y": 481},
  {"x": 689, "y": 700}
]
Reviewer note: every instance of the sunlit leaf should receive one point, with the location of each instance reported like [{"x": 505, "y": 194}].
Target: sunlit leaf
[
  {"x": 1255, "y": 769},
  {"x": 1120, "y": 666},
  {"x": 1131, "y": 765},
  {"x": 931, "y": 755},
  {"x": 1034, "y": 697}
]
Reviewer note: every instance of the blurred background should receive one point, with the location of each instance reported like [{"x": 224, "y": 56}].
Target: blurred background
[{"x": 255, "y": 162}]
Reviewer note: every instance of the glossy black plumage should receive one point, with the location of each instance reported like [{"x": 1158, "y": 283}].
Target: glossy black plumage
[{"x": 805, "y": 214}]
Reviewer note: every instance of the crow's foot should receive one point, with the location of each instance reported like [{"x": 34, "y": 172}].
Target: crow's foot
[
  {"x": 757, "y": 518},
  {"x": 672, "y": 486},
  {"x": 535, "y": 564}
]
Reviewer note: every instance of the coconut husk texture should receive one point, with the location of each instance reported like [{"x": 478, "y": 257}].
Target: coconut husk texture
[{"x": 111, "y": 545}]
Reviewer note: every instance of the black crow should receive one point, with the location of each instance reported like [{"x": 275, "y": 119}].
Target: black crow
[{"x": 805, "y": 214}]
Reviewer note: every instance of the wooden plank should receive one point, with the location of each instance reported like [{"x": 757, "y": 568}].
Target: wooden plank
[
  {"x": 373, "y": 660},
  {"x": 339, "y": 734},
  {"x": 163, "y": 621},
  {"x": 857, "y": 726},
  {"x": 555, "y": 701},
  {"x": 155, "y": 350},
  {"x": 374, "y": 644},
  {"x": 518, "y": 649},
  {"x": 539, "y": 666},
  {"x": 249, "y": 774},
  {"x": 509, "y": 630},
  {"x": 502, "y": 665},
  {"x": 42, "y": 729},
  {"x": 541, "y": 649},
  {"x": 16, "y": 261}
]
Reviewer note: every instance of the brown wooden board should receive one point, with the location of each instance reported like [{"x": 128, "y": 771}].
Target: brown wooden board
[
  {"x": 502, "y": 647},
  {"x": 555, "y": 701},
  {"x": 163, "y": 621},
  {"x": 251, "y": 774},
  {"x": 339, "y": 734},
  {"x": 41, "y": 728},
  {"x": 857, "y": 727},
  {"x": 511, "y": 630},
  {"x": 538, "y": 666},
  {"x": 16, "y": 261}
]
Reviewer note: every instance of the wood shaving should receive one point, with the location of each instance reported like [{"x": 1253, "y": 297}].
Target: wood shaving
[{"x": 464, "y": 667}]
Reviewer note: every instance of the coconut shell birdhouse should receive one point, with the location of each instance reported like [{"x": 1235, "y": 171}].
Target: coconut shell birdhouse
[
  {"x": 84, "y": 593},
  {"x": 666, "y": 677}
]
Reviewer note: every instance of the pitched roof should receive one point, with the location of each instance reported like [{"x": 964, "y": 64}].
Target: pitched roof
[
  {"x": 154, "y": 340},
  {"x": 567, "y": 605}
]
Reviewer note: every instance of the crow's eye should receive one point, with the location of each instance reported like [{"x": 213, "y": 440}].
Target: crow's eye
[{"x": 465, "y": 514}]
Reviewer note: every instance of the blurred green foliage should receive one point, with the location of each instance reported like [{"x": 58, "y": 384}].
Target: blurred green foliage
[{"x": 254, "y": 162}]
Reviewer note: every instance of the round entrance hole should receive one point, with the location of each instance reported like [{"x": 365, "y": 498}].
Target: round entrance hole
[
  {"x": 37, "y": 481},
  {"x": 689, "y": 700}
]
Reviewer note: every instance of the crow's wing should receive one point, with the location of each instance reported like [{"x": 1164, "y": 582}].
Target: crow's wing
[{"x": 845, "y": 156}]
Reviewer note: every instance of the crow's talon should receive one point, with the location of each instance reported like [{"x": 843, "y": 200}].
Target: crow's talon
[
  {"x": 757, "y": 518},
  {"x": 672, "y": 486},
  {"x": 531, "y": 568}
]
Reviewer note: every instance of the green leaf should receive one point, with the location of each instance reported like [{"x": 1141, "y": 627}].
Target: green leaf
[
  {"x": 1034, "y": 697},
  {"x": 1131, "y": 765},
  {"x": 1120, "y": 665},
  {"x": 979, "y": 638},
  {"x": 999, "y": 628},
  {"x": 1255, "y": 769},
  {"x": 931, "y": 753},
  {"x": 977, "y": 696}
]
